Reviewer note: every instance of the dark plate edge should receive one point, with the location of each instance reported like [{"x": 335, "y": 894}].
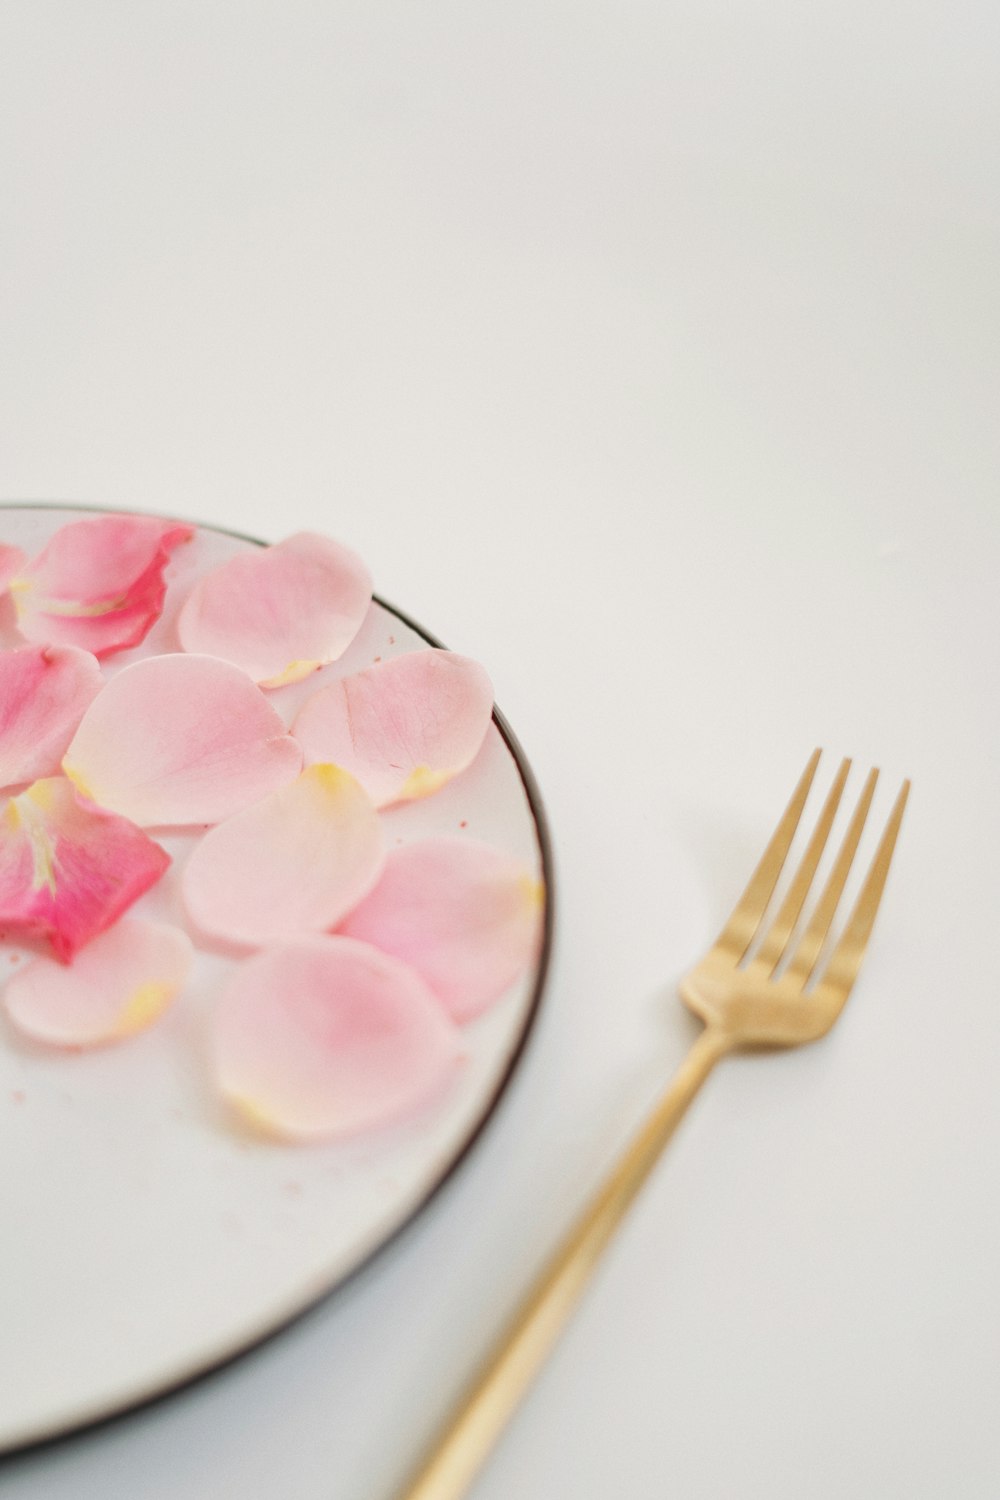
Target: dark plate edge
[{"x": 536, "y": 807}]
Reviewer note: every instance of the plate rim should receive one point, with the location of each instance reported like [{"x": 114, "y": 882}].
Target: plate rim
[{"x": 213, "y": 1366}]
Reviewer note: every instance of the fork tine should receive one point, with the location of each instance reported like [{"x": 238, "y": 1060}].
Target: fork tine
[
  {"x": 812, "y": 940},
  {"x": 841, "y": 971},
  {"x": 770, "y": 951},
  {"x": 737, "y": 935}
]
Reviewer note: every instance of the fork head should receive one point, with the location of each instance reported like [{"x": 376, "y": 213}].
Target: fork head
[{"x": 739, "y": 993}]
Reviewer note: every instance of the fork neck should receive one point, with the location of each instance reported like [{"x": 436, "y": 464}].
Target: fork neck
[
  {"x": 654, "y": 1134},
  {"x": 713, "y": 1043}
]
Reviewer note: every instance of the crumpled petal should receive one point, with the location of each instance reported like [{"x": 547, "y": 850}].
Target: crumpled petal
[
  {"x": 97, "y": 583},
  {"x": 12, "y": 560},
  {"x": 180, "y": 740},
  {"x": 69, "y": 869},
  {"x": 326, "y": 1037},
  {"x": 466, "y": 916},
  {"x": 121, "y": 983},
  {"x": 279, "y": 612},
  {"x": 292, "y": 863},
  {"x": 403, "y": 727},
  {"x": 44, "y": 691}
]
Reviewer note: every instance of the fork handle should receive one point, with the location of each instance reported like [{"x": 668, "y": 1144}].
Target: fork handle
[{"x": 474, "y": 1427}]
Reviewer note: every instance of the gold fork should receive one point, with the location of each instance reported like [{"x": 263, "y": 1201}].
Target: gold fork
[{"x": 745, "y": 1004}]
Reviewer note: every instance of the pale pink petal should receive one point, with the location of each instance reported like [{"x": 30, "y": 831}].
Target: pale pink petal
[
  {"x": 293, "y": 863},
  {"x": 121, "y": 983},
  {"x": 280, "y": 612},
  {"x": 466, "y": 916},
  {"x": 98, "y": 583},
  {"x": 326, "y": 1037},
  {"x": 403, "y": 727},
  {"x": 44, "y": 691},
  {"x": 69, "y": 869},
  {"x": 12, "y": 560},
  {"x": 180, "y": 740}
]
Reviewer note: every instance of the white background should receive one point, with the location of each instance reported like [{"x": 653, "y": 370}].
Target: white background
[{"x": 649, "y": 353}]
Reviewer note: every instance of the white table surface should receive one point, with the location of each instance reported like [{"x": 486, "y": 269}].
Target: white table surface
[{"x": 650, "y": 354}]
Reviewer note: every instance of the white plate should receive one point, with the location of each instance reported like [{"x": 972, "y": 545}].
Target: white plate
[{"x": 144, "y": 1240}]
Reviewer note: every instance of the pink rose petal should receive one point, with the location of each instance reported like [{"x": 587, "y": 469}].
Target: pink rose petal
[
  {"x": 293, "y": 863},
  {"x": 464, "y": 915},
  {"x": 280, "y": 612},
  {"x": 121, "y": 983},
  {"x": 403, "y": 727},
  {"x": 180, "y": 740},
  {"x": 44, "y": 691},
  {"x": 68, "y": 869},
  {"x": 97, "y": 583},
  {"x": 12, "y": 560},
  {"x": 326, "y": 1037}
]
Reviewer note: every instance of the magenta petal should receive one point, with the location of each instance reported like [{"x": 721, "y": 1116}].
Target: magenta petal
[
  {"x": 465, "y": 916},
  {"x": 326, "y": 1037},
  {"x": 293, "y": 863},
  {"x": 281, "y": 612},
  {"x": 403, "y": 727},
  {"x": 98, "y": 583},
  {"x": 44, "y": 691},
  {"x": 69, "y": 869},
  {"x": 121, "y": 983},
  {"x": 180, "y": 740}
]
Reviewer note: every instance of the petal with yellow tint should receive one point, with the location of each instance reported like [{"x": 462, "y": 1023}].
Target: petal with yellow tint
[
  {"x": 12, "y": 560},
  {"x": 403, "y": 727},
  {"x": 324, "y": 1037},
  {"x": 119, "y": 984},
  {"x": 98, "y": 583},
  {"x": 279, "y": 612},
  {"x": 292, "y": 863},
  {"x": 466, "y": 916},
  {"x": 69, "y": 869}
]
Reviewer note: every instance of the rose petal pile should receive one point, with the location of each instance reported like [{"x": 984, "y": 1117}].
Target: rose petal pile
[{"x": 356, "y": 966}]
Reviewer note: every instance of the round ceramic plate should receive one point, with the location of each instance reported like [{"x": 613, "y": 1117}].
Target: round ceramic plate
[{"x": 145, "y": 1240}]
